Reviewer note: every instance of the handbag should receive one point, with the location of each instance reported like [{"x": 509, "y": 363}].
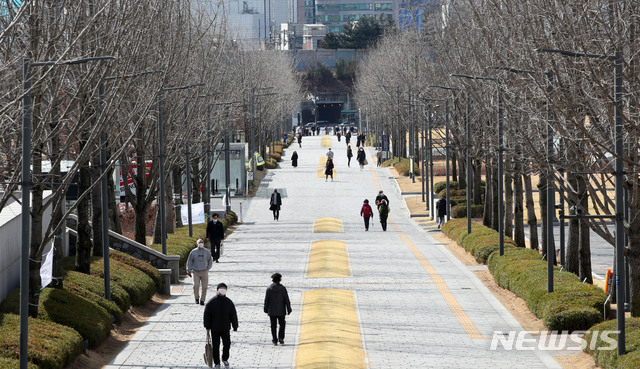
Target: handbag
[
  {"x": 208, "y": 352},
  {"x": 221, "y": 248},
  {"x": 365, "y": 162}
]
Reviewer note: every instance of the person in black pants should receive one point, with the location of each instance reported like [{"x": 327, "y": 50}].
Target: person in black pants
[
  {"x": 219, "y": 316},
  {"x": 277, "y": 305},
  {"x": 383, "y": 210},
  {"x": 215, "y": 234},
  {"x": 275, "y": 203}
]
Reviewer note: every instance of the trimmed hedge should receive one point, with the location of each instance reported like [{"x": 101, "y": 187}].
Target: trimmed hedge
[
  {"x": 143, "y": 265},
  {"x": 63, "y": 307},
  {"x": 402, "y": 166},
  {"x": 51, "y": 345},
  {"x": 460, "y": 211},
  {"x": 442, "y": 185},
  {"x": 74, "y": 281},
  {"x": 270, "y": 163},
  {"x": 607, "y": 357},
  {"x": 6, "y": 363},
  {"x": 110, "y": 306},
  {"x": 572, "y": 306},
  {"x": 276, "y": 156}
]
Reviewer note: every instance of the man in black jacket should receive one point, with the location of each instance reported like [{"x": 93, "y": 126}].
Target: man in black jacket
[
  {"x": 219, "y": 316},
  {"x": 215, "y": 234},
  {"x": 381, "y": 196},
  {"x": 276, "y": 305}
]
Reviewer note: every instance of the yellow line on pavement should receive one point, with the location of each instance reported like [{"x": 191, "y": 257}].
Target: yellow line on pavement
[
  {"x": 320, "y": 173},
  {"x": 329, "y": 331},
  {"x": 325, "y": 142},
  {"x": 327, "y": 225},
  {"x": 323, "y": 160},
  {"x": 328, "y": 259}
]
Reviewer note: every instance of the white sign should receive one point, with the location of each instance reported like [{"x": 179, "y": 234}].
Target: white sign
[
  {"x": 197, "y": 213},
  {"x": 46, "y": 270}
]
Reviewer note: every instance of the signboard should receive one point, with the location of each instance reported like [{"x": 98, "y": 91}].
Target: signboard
[
  {"x": 259, "y": 159},
  {"x": 130, "y": 172},
  {"x": 250, "y": 175},
  {"x": 197, "y": 213}
]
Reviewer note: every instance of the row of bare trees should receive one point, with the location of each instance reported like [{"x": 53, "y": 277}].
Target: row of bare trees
[
  {"x": 182, "y": 42},
  {"x": 498, "y": 39}
]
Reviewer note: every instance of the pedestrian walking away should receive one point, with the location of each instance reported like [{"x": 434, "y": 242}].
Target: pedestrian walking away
[
  {"x": 294, "y": 159},
  {"x": 339, "y": 135},
  {"x": 381, "y": 196},
  {"x": 441, "y": 210},
  {"x": 219, "y": 316},
  {"x": 277, "y": 305},
  {"x": 215, "y": 235},
  {"x": 330, "y": 154},
  {"x": 383, "y": 211},
  {"x": 299, "y": 140},
  {"x": 198, "y": 264},
  {"x": 275, "y": 203},
  {"x": 349, "y": 155},
  {"x": 379, "y": 158},
  {"x": 347, "y": 137},
  {"x": 328, "y": 169},
  {"x": 366, "y": 212},
  {"x": 361, "y": 157}
]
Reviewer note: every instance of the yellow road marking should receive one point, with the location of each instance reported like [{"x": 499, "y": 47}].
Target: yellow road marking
[
  {"x": 329, "y": 331},
  {"x": 323, "y": 160},
  {"x": 325, "y": 142},
  {"x": 328, "y": 259},
  {"x": 327, "y": 225},
  {"x": 460, "y": 314},
  {"x": 320, "y": 173}
]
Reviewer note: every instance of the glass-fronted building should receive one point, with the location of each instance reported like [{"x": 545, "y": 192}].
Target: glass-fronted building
[{"x": 336, "y": 13}]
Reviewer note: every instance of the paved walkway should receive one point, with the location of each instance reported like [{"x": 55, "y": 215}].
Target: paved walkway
[{"x": 413, "y": 303}]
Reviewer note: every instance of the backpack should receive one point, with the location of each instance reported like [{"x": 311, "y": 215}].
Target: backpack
[{"x": 366, "y": 211}]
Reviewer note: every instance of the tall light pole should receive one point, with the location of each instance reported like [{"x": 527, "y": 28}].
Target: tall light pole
[
  {"x": 27, "y": 184},
  {"x": 619, "y": 190}
]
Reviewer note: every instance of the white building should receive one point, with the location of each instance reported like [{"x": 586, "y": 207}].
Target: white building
[{"x": 255, "y": 23}]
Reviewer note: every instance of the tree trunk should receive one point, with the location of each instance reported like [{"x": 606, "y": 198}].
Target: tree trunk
[
  {"x": 35, "y": 251},
  {"x": 494, "y": 200},
  {"x": 477, "y": 182},
  {"x": 488, "y": 196},
  {"x": 532, "y": 221},
  {"x": 114, "y": 213},
  {"x": 573, "y": 239},
  {"x": 508, "y": 200},
  {"x": 454, "y": 166},
  {"x": 542, "y": 189},
  {"x": 157, "y": 229},
  {"x": 58, "y": 205},
  {"x": 84, "y": 245},
  {"x": 518, "y": 233},
  {"x": 462, "y": 173},
  {"x": 177, "y": 185},
  {"x": 168, "y": 208},
  {"x": 584, "y": 250},
  {"x": 195, "y": 184},
  {"x": 96, "y": 206}
]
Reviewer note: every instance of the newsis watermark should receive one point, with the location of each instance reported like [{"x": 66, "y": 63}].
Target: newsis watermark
[{"x": 552, "y": 341}]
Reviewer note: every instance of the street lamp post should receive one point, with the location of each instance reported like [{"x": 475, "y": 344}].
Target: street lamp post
[
  {"x": 619, "y": 191},
  {"x": 27, "y": 102}
]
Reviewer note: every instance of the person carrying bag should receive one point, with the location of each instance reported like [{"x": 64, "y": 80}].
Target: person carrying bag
[{"x": 208, "y": 351}]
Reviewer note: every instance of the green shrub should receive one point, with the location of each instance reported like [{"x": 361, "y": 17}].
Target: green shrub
[
  {"x": 402, "y": 166},
  {"x": 78, "y": 283},
  {"x": 51, "y": 345},
  {"x": 276, "y": 156},
  {"x": 460, "y": 211},
  {"x": 606, "y": 358},
  {"x": 452, "y": 192},
  {"x": 270, "y": 163},
  {"x": 7, "y": 363},
  {"x": 143, "y": 265},
  {"x": 63, "y": 307},
  {"x": 458, "y": 200},
  {"x": 442, "y": 185}
]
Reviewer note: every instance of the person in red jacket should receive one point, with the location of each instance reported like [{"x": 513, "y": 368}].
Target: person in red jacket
[{"x": 366, "y": 212}]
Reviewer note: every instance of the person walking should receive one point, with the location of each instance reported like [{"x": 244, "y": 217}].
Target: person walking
[
  {"x": 294, "y": 159},
  {"x": 379, "y": 158},
  {"x": 381, "y": 196},
  {"x": 383, "y": 211},
  {"x": 349, "y": 155},
  {"x": 339, "y": 135},
  {"x": 347, "y": 137},
  {"x": 277, "y": 305},
  {"x": 366, "y": 212},
  {"x": 328, "y": 169},
  {"x": 275, "y": 203},
  {"x": 215, "y": 235},
  {"x": 198, "y": 263},
  {"x": 441, "y": 210},
  {"x": 299, "y": 140},
  {"x": 219, "y": 316},
  {"x": 361, "y": 157},
  {"x": 330, "y": 154}
]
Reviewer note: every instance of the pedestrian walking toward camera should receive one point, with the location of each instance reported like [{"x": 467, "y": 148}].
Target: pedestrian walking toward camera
[
  {"x": 198, "y": 264},
  {"x": 339, "y": 135},
  {"x": 299, "y": 140},
  {"x": 330, "y": 154},
  {"x": 361, "y": 157},
  {"x": 277, "y": 305},
  {"x": 328, "y": 169},
  {"x": 349, "y": 155},
  {"x": 215, "y": 235},
  {"x": 219, "y": 316},
  {"x": 294, "y": 159},
  {"x": 441, "y": 210},
  {"x": 275, "y": 203},
  {"x": 381, "y": 196},
  {"x": 366, "y": 212},
  {"x": 347, "y": 137},
  {"x": 383, "y": 211},
  {"x": 379, "y": 158}
]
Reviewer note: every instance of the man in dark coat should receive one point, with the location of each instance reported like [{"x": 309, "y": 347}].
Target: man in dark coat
[
  {"x": 275, "y": 203},
  {"x": 383, "y": 209},
  {"x": 441, "y": 210},
  {"x": 277, "y": 305},
  {"x": 381, "y": 196},
  {"x": 215, "y": 234},
  {"x": 219, "y": 316},
  {"x": 294, "y": 159}
]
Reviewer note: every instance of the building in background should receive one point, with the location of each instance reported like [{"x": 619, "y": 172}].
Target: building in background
[
  {"x": 257, "y": 23},
  {"x": 312, "y": 34},
  {"x": 336, "y": 13}
]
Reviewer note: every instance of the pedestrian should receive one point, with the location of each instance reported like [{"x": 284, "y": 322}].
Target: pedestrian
[
  {"x": 277, "y": 305},
  {"x": 215, "y": 235},
  {"x": 199, "y": 262},
  {"x": 379, "y": 158},
  {"x": 381, "y": 196},
  {"x": 219, "y": 316},
  {"x": 299, "y": 140},
  {"x": 366, "y": 212},
  {"x": 347, "y": 137},
  {"x": 383, "y": 210},
  {"x": 294, "y": 159},
  {"x": 339, "y": 135},
  {"x": 330, "y": 154},
  {"x": 361, "y": 157},
  {"x": 275, "y": 203},
  {"x": 441, "y": 210},
  {"x": 349, "y": 155},
  {"x": 328, "y": 169}
]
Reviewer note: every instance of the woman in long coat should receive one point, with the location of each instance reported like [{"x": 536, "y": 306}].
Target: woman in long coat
[
  {"x": 294, "y": 159},
  {"x": 362, "y": 157},
  {"x": 328, "y": 170}
]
